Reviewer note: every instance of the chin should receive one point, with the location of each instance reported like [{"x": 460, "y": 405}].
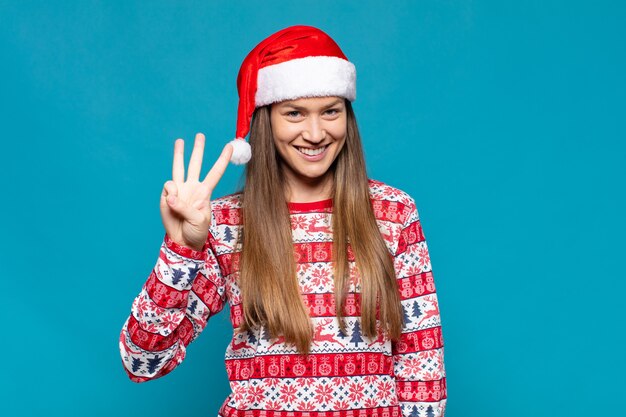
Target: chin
[{"x": 312, "y": 174}]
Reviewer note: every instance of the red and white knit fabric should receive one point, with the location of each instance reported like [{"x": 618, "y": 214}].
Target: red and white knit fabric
[{"x": 345, "y": 374}]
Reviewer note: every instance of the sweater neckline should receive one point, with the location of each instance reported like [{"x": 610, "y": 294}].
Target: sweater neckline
[{"x": 311, "y": 205}]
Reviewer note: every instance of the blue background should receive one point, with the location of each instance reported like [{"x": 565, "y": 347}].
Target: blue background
[{"x": 504, "y": 120}]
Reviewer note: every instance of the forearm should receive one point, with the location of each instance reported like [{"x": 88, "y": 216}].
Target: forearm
[
  {"x": 419, "y": 354},
  {"x": 153, "y": 339}
]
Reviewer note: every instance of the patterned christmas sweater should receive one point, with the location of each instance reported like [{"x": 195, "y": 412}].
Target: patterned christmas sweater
[{"x": 345, "y": 374}]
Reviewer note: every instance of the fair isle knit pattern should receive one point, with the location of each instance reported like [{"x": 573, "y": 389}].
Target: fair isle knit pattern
[{"x": 345, "y": 374}]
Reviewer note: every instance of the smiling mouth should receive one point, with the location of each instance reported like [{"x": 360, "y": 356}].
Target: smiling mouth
[{"x": 311, "y": 152}]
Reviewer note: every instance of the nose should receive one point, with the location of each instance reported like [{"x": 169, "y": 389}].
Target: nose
[{"x": 314, "y": 132}]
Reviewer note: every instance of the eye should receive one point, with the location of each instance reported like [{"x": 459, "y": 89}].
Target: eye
[
  {"x": 293, "y": 113},
  {"x": 332, "y": 112}
]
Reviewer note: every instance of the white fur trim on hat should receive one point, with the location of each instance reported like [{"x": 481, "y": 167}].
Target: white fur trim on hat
[
  {"x": 242, "y": 152},
  {"x": 312, "y": 76}
]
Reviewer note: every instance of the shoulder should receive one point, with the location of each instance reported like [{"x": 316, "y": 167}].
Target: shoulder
[
  {"x": 229, "y": 201},
  {"x": 385, "y": 192},
  {"x": 389, "y": 202}
]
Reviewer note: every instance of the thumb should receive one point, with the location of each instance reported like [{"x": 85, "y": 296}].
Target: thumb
[{"x": 169, "y": 193}]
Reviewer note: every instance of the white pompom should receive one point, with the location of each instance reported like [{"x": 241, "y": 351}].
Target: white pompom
[{"x": 241, "y": 151}]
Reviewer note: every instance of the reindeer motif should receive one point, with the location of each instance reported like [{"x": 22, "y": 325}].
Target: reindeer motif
[
  {"x": 380, "y": 338},
  {"x": 430, "y": 313},
  {"x": 311, "y": 227},
  {"x": 240, "y": 345},
  {"x": 279, "y": 340},
  {"x": 319, "y": 337}
]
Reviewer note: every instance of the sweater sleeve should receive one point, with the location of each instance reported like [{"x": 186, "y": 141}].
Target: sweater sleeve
[
  {"x": 418, "y": 357},
  {"x": 183, "y": 290}
]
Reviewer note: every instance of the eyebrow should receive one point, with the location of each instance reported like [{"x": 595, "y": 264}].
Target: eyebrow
[{"x": 303, "y": 108}]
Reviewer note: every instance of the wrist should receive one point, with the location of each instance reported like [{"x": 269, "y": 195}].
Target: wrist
[{"x": 184, "y": 249}]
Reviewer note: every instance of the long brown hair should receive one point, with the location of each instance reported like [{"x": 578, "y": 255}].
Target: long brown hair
[{"x": 269, "y": 288}]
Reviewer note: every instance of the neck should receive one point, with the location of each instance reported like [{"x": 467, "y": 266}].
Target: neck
[{"x": 305, "y": 191}]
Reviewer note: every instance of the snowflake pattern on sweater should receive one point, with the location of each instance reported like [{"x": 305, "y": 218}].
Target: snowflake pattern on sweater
[{"x": 345, "y": 374}]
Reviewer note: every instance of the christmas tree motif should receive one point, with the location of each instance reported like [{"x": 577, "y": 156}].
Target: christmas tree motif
[
  {"x": 178, "y": 274},
  {"x": 356, "y": 333},
  {"x": 137, "y": 364},
  {"x": 414, "y": 412},
  {"x": 416, "y": 309},
  {"x": 192, "y": 307},
  {"x": 266, "y": 334},
  {"x": 430, "y": 412},
  {"x": 193, "y": 271},
  {"x": 341, "y": 334},
  {"x": 251, "y": 339},
  {"x": 405, "y": 317},
  {"x": 228, "y": 234},
  {"x": 153, "y": 363}
]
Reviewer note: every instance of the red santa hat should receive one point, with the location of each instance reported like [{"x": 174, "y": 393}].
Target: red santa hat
[{"x": 298, "y": 61}]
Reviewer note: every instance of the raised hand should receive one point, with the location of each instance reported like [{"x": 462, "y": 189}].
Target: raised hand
[{"x": 186, "y": 204}]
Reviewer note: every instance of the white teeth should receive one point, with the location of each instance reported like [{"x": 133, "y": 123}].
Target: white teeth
[{"x": 312, "y": 152}]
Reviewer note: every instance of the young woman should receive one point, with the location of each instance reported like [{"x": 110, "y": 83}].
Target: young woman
[{"x": 326, "y": 272}]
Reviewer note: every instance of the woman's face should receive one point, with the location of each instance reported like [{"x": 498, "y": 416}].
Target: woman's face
[{"x": 309, "y": 133}]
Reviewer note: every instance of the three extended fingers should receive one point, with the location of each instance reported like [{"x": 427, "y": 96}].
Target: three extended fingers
[{"x": 195, "y": 165}]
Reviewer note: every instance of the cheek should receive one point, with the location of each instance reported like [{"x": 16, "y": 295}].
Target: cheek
[
  {"x": 283, "y": 134},
  {"x": 338, "y": 130},
  {"x": 278, "y": 129}
]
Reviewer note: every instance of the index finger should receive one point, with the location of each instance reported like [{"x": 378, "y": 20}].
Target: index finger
[
  {"x": 218, "y": 168},
  {"x": 178, "y": 166}
]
